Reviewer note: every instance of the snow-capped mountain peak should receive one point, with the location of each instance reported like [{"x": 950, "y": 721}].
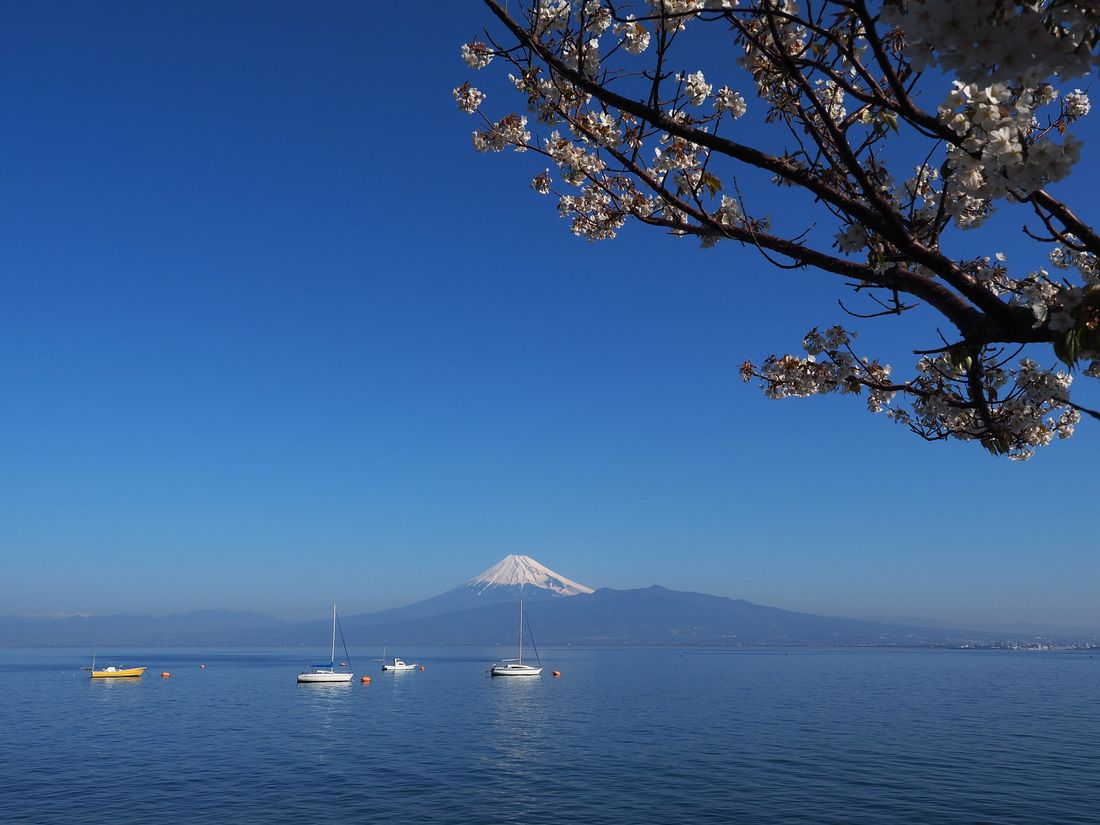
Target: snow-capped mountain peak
[{"x": 515, "y": 570}]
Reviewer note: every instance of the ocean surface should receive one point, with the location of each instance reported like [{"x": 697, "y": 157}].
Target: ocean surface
[{"x": 632, "y": 735}]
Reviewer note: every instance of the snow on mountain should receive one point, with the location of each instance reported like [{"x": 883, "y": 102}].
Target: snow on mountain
[{"x": 515, "y": 570}]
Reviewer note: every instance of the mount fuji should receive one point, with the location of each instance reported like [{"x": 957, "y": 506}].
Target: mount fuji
[
  {"x": 523, "y": 571},
  {"x": 503, "y": 583}
]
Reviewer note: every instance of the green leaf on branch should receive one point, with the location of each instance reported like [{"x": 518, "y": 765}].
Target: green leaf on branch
[
  {"x": 960, "y": 357},
  {"x": 1068, "y": 347},
  {"x": 998, "y": 444}
]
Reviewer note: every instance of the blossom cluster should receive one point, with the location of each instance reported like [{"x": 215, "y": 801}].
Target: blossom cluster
[
  {"x": 697, "y": 88},
  {"x": 1032, "y": 413},
  {"x": 594, "y": 214},
  {"x": 635, "y": 36},
  {"x": 552, "y": 15},
  {"x": 1086, "y": 263},
  {"x": 676, "y": 13},
  {"x": 476, "y": 54},
  {"x": 828, "y": 367},
  {"x": 584, "y": 58},
  {"x": 509, "y": 131},
  {"x": 731, "y": 101},
  {"x": 1076, "y": 105},
  {"x": 576, "y": 165},
  {"x": 1017, "y": 41},
  {"x": 599, "y": 128},
  {"x": 468, "y": 98},
  {"x": 773, "y": 83},
  {"x": 998, "y": 153},
  {"x": 1030, "y": 416}
]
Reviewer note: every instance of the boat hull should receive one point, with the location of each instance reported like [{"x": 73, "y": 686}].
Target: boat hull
[
  {"x": 322, "y": 678},
  {"x": 118, "y": 673},
  {"x": 515, "y": 670}
]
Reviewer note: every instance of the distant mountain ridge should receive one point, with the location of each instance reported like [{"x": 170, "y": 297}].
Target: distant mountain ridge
[
  {"x": 215, "y": 627},
  {"x": 482, "y": 611}
]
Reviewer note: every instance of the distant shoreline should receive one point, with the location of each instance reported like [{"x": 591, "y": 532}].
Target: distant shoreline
[{"x": 1005, "y": 648}]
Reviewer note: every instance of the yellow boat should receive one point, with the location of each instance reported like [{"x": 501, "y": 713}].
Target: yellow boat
[{"x": 113, "y": 672}]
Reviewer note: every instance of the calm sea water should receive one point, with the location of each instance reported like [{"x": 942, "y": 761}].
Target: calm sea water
[{"x": 624, "y": 736}]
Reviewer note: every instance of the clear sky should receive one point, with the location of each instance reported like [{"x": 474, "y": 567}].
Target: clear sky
[{"x": 272, "y": 334}]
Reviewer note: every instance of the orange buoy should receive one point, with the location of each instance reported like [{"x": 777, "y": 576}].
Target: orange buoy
[
  {"x": 557, "y": 673},
  {"x": 165, "y": 675},
  {"x": 422, "y": 667},
  {"x": 365, "y": 680}
]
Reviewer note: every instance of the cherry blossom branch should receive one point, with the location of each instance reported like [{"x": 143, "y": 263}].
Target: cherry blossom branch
[{"x": 838, "y": 86}]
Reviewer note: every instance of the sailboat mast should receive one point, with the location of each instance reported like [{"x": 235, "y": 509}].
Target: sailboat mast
[
  {"x": 332, "y": 658},
  {"x": 521, "y": 631}
]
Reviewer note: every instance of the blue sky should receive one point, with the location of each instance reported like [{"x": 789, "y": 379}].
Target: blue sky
[{"x": 271, "y": 334}]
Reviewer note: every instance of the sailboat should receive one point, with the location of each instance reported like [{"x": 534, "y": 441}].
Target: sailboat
[
  {"x": 516, "y": 667},
  {"x": 325, "y": 672}
]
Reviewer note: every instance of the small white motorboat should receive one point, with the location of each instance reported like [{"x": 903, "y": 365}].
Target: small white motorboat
[{"x": 398, "y": 664}]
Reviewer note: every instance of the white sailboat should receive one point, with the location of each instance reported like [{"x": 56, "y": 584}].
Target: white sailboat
[
  {"x": 516, "y": 667},
  {"x": 326, "y": 672}
]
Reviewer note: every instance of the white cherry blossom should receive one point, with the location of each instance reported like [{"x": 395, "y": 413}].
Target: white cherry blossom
[
  {"x": 468, "y": 98},
  {"x": 697, "y": 88},
  {"x": 728, "y": 100},
  {"x": 635, "y": 36},
  {"x": 476, "y": 55}
]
